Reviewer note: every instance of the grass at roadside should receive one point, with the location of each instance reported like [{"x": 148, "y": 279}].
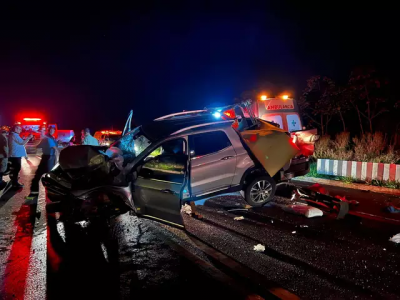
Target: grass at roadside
[{"x": 388, "y": 184}]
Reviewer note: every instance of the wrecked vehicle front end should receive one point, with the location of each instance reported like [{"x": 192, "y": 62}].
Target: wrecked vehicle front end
[{"x": 87, "y": 184}]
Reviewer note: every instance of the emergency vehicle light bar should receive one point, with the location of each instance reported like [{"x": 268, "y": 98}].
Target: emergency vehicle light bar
[{"x": 32, "y": 119}]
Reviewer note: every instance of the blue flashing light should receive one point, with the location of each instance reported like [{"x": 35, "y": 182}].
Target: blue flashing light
[{"x": 217, "y": 115}]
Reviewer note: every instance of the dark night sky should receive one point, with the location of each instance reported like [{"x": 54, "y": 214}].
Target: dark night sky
[{"x": 88, "y": 65}]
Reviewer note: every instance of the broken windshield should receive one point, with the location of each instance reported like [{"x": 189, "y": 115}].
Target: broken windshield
[{"x": 134, "y": 142}]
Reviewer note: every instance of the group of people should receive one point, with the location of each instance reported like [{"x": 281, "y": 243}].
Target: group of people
[{"x": 12, "y": 150}]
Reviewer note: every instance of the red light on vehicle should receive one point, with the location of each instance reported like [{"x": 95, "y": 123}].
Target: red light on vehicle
[
  {"x": 229, "y": 113},
  {"x": 294, "y": 139},
  {"x": 32, "y": 119},
  {"x": 111, "y": 132},
  {"x": 253, "y": 138}
]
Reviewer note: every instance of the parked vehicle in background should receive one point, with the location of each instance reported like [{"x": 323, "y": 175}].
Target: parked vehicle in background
[
  {"x": 107, "y": 137},
  {"x": 37, "y": 127},
  {"x": 284, "y": 113}
]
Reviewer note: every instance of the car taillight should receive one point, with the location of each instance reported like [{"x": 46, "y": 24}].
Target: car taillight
[{"x": 294, "y": 138}]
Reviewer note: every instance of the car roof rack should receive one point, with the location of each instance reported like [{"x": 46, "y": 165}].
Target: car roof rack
[
  {"x": 201, "y": 125},
  {"x": 181, "y": 114}
]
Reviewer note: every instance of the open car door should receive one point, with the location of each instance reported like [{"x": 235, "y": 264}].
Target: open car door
[{"x": 162, "y": 182}]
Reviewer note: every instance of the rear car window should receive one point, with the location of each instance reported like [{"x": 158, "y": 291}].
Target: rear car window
[{"x": 207, "y": 143}]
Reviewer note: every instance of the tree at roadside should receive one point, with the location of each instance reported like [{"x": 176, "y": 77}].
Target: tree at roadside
[
  {"x": 317, "y": 102},
  {"x": 367, "y": 95}
]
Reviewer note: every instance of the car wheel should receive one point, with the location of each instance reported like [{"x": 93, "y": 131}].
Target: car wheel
[{"x": 260, "y": 191}]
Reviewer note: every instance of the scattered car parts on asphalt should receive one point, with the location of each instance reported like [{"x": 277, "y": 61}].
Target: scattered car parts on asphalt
[
  {"x": 259, "y": 248},
  {"x": 395, "y": 238}
]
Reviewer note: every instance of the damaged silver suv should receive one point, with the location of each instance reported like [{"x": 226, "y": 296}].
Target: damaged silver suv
[
  {"x": 156, "y": 168},
  {"x": 189, "y": 156}
]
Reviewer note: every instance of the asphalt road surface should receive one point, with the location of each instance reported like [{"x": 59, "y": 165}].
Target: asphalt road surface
[
  {"x": 215, "y": 257},
  {"x": 41, "y": 259}
]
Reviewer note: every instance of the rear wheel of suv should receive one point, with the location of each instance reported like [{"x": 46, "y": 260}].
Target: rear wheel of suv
[{"x": 260, "y": 191}]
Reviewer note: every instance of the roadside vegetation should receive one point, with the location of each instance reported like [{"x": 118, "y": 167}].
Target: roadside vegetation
[{"x": 368, "y": 147}]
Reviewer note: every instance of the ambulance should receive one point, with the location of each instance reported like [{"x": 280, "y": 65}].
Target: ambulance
[
  {"x": 37, "y": 127},
  {"x": 284, "y": 113}
]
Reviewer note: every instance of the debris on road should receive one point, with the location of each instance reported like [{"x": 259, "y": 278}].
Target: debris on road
[
  {"x": 316, "y": 196},
  {"x": 301, "y": 209},
  {"x": 319, "y": 189},
  {"x": 259, "y": 248},
  {"x": 187, "y": 209},
  {"x": 395, "y": 239},
  {"x": 238, "y": 218},
  {"x": 293, "y": 232}
]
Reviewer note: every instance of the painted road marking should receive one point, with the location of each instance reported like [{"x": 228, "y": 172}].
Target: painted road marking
[{"x": 35, "y": 287}]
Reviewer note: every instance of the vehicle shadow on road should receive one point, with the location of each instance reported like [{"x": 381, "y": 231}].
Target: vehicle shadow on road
[{"x": 82, "y": 263}]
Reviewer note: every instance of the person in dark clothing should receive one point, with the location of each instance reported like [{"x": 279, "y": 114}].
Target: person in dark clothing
[
  {"x": 48, "y": 161},
  {"x": 3, "y": 155}
]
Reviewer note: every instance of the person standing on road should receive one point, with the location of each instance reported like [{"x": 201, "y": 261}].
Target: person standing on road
[
  {"x": 16, "y": 152},
  {"x": 3, "y": 155},
  {"x": 49, "y": 146},
  {"x": 89, "y": 139}
]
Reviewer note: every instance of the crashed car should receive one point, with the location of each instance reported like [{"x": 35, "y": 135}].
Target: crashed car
[{"x": 175, "y": 159}]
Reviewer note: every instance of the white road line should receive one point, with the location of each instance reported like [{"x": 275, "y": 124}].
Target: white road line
[{"x": 36, "y": 281}]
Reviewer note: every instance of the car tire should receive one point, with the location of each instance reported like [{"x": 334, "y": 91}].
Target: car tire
[{"x": 260, "y": 191}]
